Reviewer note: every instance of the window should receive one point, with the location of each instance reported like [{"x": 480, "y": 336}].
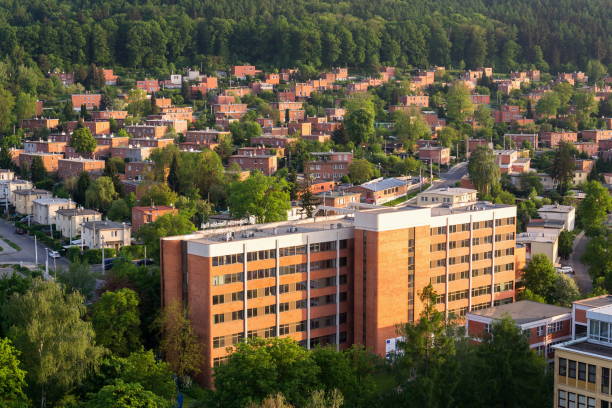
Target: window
[
  {"x": 555, "y": 327},
  {"x": 571, "y": 397},
  {"x": 219, "y": 342},
  {"x": 592, "y": 373},
  {"x": 562, "y": 399},
  {"x": 219, "y": 318},
  {"x": 238, "y": 315},
  {"x": 605, "y": 380},
  {"x": 452, "y": 228},
  {"x": 540, "y": 331},
  {"x": 218, "y": 299},
  {"x": 269, "y": 309},
  {"x": 563, "y": 367},
  {"x": 571, "y": 372},
  {"x": 582, "y": 371}
]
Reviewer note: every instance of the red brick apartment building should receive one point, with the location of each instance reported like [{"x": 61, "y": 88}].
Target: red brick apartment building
[
  {"x": 552, "y": 139},
  {"x": 38, "y": 123},
  {"x": 435, "y": 154},
  {"x": 545, "y": 325},
  {"x": 145, "y": 215},
  {"x": 209, "y": 138},
  {"x": 107, "y": 115},
  {"x": 415, "y": 100},
  {"x": 473, "y": 144},
  {"x": 91, "y": 101},
  {"x": 67, "y": 168},
  {"x": 596, "y": 135},
  {"x": 328, "y": 165},
  {"x": 137, "y": 170},
  {"x": 339, "y": 280},
  {"x": 519, "y": 138},
  {"x": 151, "y": 131},
  {"x": 42, "y": 146},
  {"x": 148, "y": 85},
  {"x": 50, "y": 160},
  {"x": 242, "y": 71},
  {"x": 267, "y": 164},
  {"x": 507, "y": 114}
]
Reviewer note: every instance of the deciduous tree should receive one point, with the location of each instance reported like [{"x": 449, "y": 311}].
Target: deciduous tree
[
  {"x": 83, "y": 141},
  {"x": 57, "y": 345},
  {"x": 116, "y": 321},
  {"x": 12, "y": 377},
  {"x": 264, "y": 197}
]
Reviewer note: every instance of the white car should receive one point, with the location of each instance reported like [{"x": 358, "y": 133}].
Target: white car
[
  {"x": 566, "y": 270},
  {"x": 54, "y": 254}
]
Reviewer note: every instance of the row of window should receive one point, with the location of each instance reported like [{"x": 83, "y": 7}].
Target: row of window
[
  {"x": 465, "y": 293},
  {"x": 271, "y": 272},
  {"x": 323, "y": 340},
  {"x": 284, "y": 329},
  {"x": 572, "y": 400},
  {"x": 271, "y": 253},
  {"x": 271, "y": 291},
  {"x": 475, "y": 226},
  {"x": 283, "y": 307},
  {"x": 454, "y": 260},
  {"x": 502, "y": 287},
  {"x": 582, "y": 371}
]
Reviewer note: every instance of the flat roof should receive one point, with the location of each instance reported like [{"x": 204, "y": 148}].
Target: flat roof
[
  {"x": 52, "y": 200},
  {"x": 585, "y": 346},
  {"x": 247, "y": 232},
  {"x": 76, "y": 211},
  {"x": 450, "y": 191},
  {"x": 598, "y": 301},
  {"x": 523, "y": 311},
  {"x": 31, "y": 191},
  {"x": 100, "y": 225},
  {"x": 556, "y": 208},
  {"x": 383, "y": 184}
]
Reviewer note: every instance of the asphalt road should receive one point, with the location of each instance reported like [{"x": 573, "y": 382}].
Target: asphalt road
[
  {"x": 27, "y": 254},
  {"x": 581, "y": 276},
  {"x": 452, "y": 176}
]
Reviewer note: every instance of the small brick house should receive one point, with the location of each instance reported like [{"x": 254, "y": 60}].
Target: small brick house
[{"x": 145, "y": 215}]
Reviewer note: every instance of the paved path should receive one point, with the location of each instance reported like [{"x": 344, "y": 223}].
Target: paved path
[
  {"x": 27, "y": 253},
  {"x": 582, "y": 277}
]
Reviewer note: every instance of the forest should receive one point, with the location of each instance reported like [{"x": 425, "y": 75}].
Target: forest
[{"x": 162, "y": 35}]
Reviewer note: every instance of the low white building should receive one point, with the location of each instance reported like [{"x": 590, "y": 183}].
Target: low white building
[
  {"x": 69, "y": 220},
  {"x": 24, "y": 199},
  {"x": 447, "y": 196},
  {"x": 540, "y": 243},
  {"x": 7, "y": 187},
  {"x": 44, "y": 209},
  {"x": 107, "y": 234},
  {"x": 6, "y": 175},
  {"x": 565, "y": 213}
]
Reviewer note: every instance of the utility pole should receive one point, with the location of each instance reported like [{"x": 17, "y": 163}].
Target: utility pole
[{"x": 35, "y": 250}]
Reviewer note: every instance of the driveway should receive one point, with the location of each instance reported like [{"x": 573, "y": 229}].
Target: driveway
[
  {"x": 582, "y": 277},
  {"x": 27, "y": 253}
]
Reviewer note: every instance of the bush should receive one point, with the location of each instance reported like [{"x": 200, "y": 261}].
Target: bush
[
  {"x": 94, "y": 256},
  {"x": 132, "y": 252},
  {"x": 73, "y": 253}
]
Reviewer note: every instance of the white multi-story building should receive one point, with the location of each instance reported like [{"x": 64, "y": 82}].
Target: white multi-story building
[
  {"x": 44, "y": 209},
  {"x": 107, "y": 234}
]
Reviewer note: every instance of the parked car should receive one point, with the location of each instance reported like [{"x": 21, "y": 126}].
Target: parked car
[
  {"x": 567, "y": 270},
  {"x": 54, "y": 254}
]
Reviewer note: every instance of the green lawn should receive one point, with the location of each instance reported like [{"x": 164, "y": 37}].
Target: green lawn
[{"x": 401, "y": 199}]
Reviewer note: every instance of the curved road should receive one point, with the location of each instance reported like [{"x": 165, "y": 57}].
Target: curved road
[
  {"x": 582, "y": 277},
  {"x": 27, "y": 253}
]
